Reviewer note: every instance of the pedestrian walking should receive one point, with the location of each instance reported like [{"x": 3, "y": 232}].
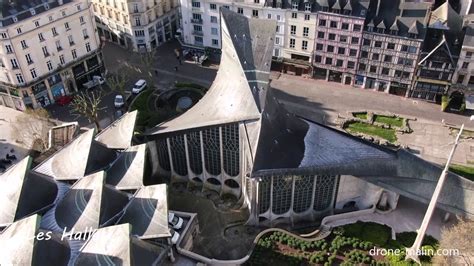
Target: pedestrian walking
[{"x": 176, "y": 68}]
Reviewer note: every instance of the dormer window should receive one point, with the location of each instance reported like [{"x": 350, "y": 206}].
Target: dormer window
[
  {"x": 46, "y": 6},
  {"x": 32, "y": 11},
  {"x": 413, "y": 35},
  {"x": 347, "y": 12},
  {"x": 307, "y": 7},
  {"x": 325, "y": 9},
  {"x": 336, "y": 11},
  {"x": 393, "y": 32},
  {"x": 15, "y": 19},
  {"x": 370, "y": 28},
  {"x": 380, "y": 30},
  {"x": 294, "y": 5}
]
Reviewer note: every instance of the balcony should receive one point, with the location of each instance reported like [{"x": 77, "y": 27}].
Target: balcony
[
  {"x": 196, "y": 21},
  {"x": 198, "y": 32},
  {"x": 196, "y": 9}
]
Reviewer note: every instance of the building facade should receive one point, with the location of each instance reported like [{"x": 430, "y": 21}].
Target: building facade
[
  {"x": 140, "y": 25},
  {"x": 47, "y": 50}
]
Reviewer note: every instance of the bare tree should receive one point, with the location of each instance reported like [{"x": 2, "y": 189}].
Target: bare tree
[
  {"x": 147, "y": 59},
  {"x": 458, "y": 237},
  {"x": 87, "y": 105},
  {"x": 118, "y": 81},
  {"x": 31, "y": 129}
]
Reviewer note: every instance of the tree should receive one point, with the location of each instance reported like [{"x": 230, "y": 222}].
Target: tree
[
  {"x": 147, "y": 59},
  {"x": 87, "y": 105},
  {"x": 32, "y": 127},
  {"x": 118, "y": 81},
  {"x": 458, "y": 237}
]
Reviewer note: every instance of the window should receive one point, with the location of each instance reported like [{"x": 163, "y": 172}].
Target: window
[
  {"x": 398, "y": 73},
  {"x": 277, "y": 40},
  {"x": 468, "y": 54},
  {"x": 465, "y": 65},
  {"x": 373, "y": 69},
  {"x": 357, "y": 27},
  {"x": 58, "y": 45},
  {"x": 8, "y": 48},
  {"x": 50, "y": 18},
  {"x": 385, "y": 71},
  {"x": 343, "y": 38},
  {"x": 66, "y": 25},
  {"x": 330, "y": 49},
  {"x": 139, "y": 33},
  {"x": 390, "y": 46},
  {"x": 214, "y": 31},
  {"x": 350, "y": 64},
  {"x": 345, "y": 26},
  {"x": 354, "y": 40},
  {"x": 352, "y": 52},
  {"x": 213, "y": 19},
  {"x": 364, "y": 54},
  {"x": 378, "y": 44},
  {"x": 33, "y": 73},
  {"x": 197, "y": 28},
  {"x": 63, "y": 13},
  {"x": 137, "y": 21},
  {"x": 23, "y": 44},
  {"x": 319, "y": 47},
  {"x": 471, "y": 80},
  {"x": 269, "y": 16},
  {"x": 49, "y": 65},
  {"x": 278, "y": 17},
  {"x": 278, "y": 29},
  {"x": 320, "y": 35},
  {"x": 332, "y": 37},
  {"x": 74, "y": 54},
  {"x": 339, "y": 63},
  {"x": 294, "y": 15},
  {"x": 194, "y": 4},
  {"x": 255, "y": 13},
  {"x": 388, "y": 59},
  {"x": 14, "y": 63},
  {"x": 362, "y": 67},
  {"x": 341, "y": 50},
  {"x": 318, "y": 59},
  {"x": 375, "y": 57},
  {"x": 53, "y": 30},
  {"x": 256, "y": 1},
  {"x": 307, "y": 17},
  {"x": 328, "y": 61},
  {"x": 61, "y": 59},
  {"x": 28, "y": 59},
  {"x": 305, "y": 31},
  {"x": 292, "y": 29},
  {"x": 294, "y": 5},
  {"x": 366, "y": 42},
  {"x": 37, "y": 24},
  {"x": 40, "y": 37},
  {"x": 88, "y": 47},
  {"x": 3, "y": 35},
  {"x": 213, "y": 6},
  {"x": 307, "y": 7},
  {"x": 292, "y": 43},
  {"x": 20, "y": 79},
  {"x": 81, "y": 20},
  {"x": 409, "y": 49},
  {"x": 304, "y": 45},
  {"x": 85, "y": 34},
  {"x": 276, "y": 52},
  {"x": 71, "y": 40},
  {"x": 322, "y": 23},
  {"x": 18, "y": 30},
  {"x": 240, "y": 10},
  {"x": 45, "y": 51},
  {"x": 333, "y": 24}
]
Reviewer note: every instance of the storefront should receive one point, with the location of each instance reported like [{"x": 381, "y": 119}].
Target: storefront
[
  {"x": 57, "y": 86},
  {"x": 41, "y": 94}
]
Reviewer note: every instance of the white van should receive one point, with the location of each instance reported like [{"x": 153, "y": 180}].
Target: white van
[{"x": 139, "y": 86}]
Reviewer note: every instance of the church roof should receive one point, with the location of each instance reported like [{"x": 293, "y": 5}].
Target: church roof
[
  {"x": 127, "y": 172},
  {"x": 118, "y": 135}
]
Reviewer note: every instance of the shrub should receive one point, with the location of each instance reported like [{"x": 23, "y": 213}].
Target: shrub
[{"x": 444, "y": 102}]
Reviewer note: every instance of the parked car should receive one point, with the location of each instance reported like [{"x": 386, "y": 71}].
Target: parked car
[
  {"x": 139, "y": 86},
  {"x": 175, "y": 221},
  {"x": 174, "y": 236},
  {"x": 64, "y": 100},
  {"x": 96, "y": 80},
  {"x": 119, "y": 102}
]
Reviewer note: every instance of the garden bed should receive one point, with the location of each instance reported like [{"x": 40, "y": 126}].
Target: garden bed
[
  {"x": 366, "y": 128},
  {"x": 393, "y": 121}
]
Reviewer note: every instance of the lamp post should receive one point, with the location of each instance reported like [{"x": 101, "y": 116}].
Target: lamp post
[{"x": 414, "y": 251}]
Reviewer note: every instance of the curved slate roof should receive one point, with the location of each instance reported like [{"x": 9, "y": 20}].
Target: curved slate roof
[
  {"x": 118, "y": 135},
  {"x": 23, "y": 193},
  {"x": 147, "y": 212},
  {"x": 114, "y": 245},
  {"x": 238, "y": 92},
  {"x": 19, "y": 245},
  {"x": 127, "y": 172}
]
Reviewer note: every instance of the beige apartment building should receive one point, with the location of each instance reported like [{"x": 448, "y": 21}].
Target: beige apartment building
[
  {"x": 47, "y": 50},
  {"x": 140, "y": 25}
]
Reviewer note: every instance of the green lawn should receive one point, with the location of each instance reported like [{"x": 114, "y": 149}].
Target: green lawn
[
  {"x": 361, "y": 115},
  {"x": 393, "y": 121},
  {"x": 462, "y": 170},
  {"x": 385, "y": 133}
]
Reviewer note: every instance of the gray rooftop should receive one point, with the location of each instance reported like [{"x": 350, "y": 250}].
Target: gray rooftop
[
  {"x": 21, "y": 9},
  {"x": 356, "y": 8}
]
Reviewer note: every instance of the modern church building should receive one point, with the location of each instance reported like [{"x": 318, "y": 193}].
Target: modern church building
[{"x": 238, "y": 139}]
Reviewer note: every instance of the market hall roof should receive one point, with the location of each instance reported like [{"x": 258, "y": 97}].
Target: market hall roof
[
  {"x": 128, "y": 171},
  {"x": 118, "y": 135},
  {"x": 239, "y": 89},
  {"x": 147, "y": 212},
  {"x": 23, "y": 193},
  {"x": 114, "y": 245}
]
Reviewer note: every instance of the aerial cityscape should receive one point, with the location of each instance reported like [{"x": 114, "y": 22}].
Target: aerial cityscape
[{"x": 225, "y": 132}]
